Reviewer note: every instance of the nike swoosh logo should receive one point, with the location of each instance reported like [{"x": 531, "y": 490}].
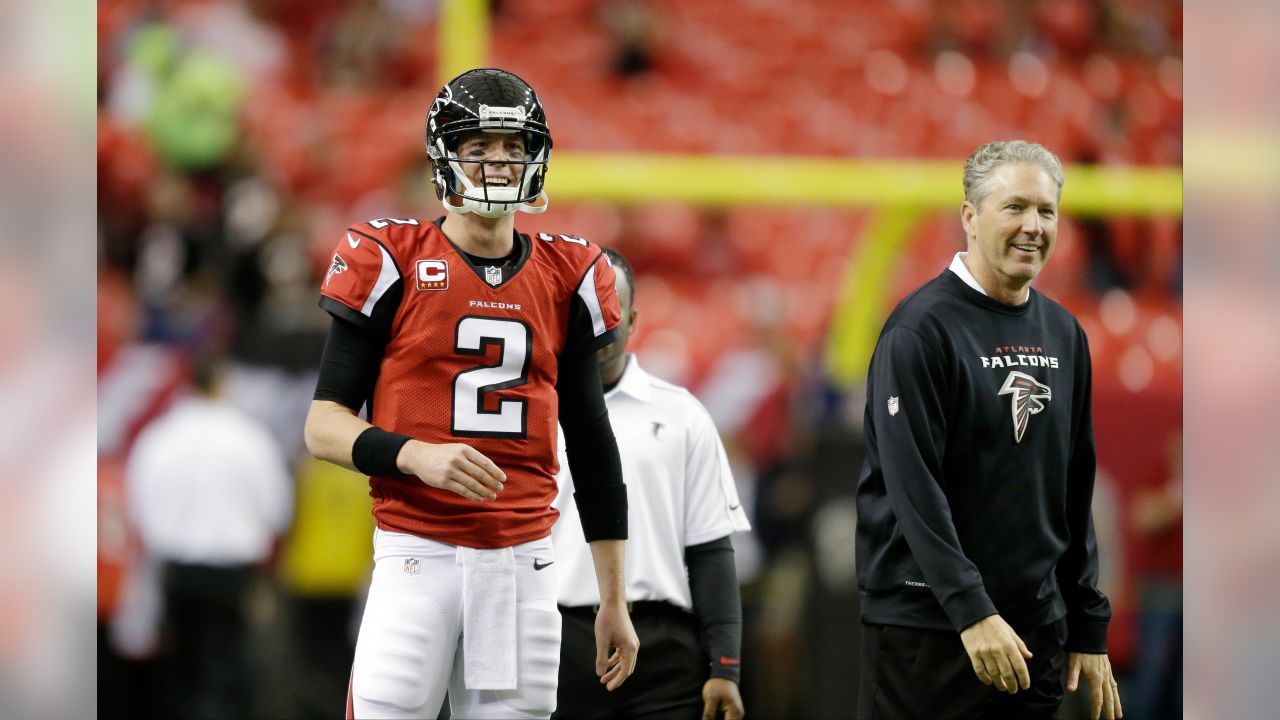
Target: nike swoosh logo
[
  {"x": 729, "y": 661},
  {"x": 353, "y": 243},
  {"x": 537, "y": 566},
  {"x": 735, "y": 507}
]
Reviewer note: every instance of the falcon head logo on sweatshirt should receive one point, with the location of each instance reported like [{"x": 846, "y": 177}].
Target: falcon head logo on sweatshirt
[{"x": 1029, "y": 398}]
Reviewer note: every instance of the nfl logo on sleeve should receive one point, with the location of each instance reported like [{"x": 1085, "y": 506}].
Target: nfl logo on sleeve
[{"x": 893, "y": 406}]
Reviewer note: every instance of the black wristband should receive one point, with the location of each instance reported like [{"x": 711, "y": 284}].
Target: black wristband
[
  {"x": 375, "y": 451},
  {"x": 603, "y": 512}
]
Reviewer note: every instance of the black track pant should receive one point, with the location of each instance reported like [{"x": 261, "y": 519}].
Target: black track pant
[
  {"x": 209, "y": 632},
  {"x": 911, "y": 673},
  {"x": 669, "y": 674}
]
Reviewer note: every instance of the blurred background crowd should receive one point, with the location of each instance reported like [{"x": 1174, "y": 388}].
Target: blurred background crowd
[{"x": 238, "y": 138}]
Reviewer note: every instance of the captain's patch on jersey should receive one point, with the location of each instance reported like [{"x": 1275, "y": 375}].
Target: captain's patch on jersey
[
  {"x": 337, "y": 267},
  {"x": 433, "y": 275},
  {"x": 893, "y": 406}
]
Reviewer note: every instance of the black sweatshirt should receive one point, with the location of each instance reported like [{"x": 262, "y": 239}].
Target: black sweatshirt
[{"x": 975, "y": 496}]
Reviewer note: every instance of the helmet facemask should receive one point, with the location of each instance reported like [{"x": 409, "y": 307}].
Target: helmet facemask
[{"x": 455, "y": 188}]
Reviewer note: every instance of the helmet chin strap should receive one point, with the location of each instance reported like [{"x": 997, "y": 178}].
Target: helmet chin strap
[
  {"x": 502, "y": 203},
  {"x": 496, "y": 210},
  {"x": 538, "y": 206},
  {"x": 483, "y": 209}
]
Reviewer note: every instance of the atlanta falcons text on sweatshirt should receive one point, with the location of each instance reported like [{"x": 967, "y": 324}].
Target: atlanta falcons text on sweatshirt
[{"x": 975, "y": 496}]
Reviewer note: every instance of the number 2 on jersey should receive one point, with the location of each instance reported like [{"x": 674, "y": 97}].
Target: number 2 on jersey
[{"x": 474, "y": 336}]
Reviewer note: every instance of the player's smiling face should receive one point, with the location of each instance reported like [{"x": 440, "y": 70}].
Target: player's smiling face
[
  {"x": 1012, "y": 232},
  {"x": 499, "y": 149}
]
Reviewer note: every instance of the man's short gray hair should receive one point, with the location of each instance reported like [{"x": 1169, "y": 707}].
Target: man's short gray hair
[{"x": 990, "y": 156}]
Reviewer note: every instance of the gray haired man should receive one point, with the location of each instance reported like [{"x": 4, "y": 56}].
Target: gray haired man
[{"x": 977, "y": 561}]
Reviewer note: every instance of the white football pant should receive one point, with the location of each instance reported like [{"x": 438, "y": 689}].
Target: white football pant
[{"x": 410, "y": 648}]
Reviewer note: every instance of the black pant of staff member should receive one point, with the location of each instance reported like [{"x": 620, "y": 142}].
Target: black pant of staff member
[{"x": 667, "y": 685}]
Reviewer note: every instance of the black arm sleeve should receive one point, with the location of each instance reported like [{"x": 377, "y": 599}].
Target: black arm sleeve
[
  {"x": 592, "y": 449},
  {"x": 349, "y": 364},
  {"x": 713, "y": 581}
]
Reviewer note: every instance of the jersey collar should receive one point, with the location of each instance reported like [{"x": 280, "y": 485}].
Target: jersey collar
[
  {"x": 634, "y": 381},
  {"x": 508, "y": 273}
]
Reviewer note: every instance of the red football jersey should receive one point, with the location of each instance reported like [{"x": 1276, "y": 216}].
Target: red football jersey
[{"x": 472, "y": 358}]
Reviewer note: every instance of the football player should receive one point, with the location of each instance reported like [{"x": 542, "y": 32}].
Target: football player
[{"x": 467, "y": 340}]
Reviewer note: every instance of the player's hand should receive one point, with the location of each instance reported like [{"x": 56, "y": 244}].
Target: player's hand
[
  {"x": 455, "y": 467},
  {"x": 1104, "y": 694},
  {"x": 721, "y": 694},
  {"x": 616, "y": 645},
  {"x": 997, "y": 654}
]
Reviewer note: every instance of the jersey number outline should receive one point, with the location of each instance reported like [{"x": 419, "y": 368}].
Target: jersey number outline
[
  {"x": 380, "y": 223},
  {"x": 474, "y": 335},
  {"x": 565, "y": 238}
]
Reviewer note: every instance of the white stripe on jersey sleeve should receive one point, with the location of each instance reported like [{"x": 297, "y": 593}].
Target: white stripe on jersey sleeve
[
  {"x": 587, "y": 291},
  {"x": 386, "y": 278}
]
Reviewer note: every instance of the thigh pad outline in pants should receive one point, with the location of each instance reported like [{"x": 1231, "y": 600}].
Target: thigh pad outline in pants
[
  {"x": 538, "y": 637},
  {"x": 408, "y": 637}
]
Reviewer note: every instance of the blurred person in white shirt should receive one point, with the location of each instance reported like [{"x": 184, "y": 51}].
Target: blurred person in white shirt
[{"x": 209, "y": 493}]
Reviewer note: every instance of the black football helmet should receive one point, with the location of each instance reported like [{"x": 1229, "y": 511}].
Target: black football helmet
[{"x": 496, "y": 101}]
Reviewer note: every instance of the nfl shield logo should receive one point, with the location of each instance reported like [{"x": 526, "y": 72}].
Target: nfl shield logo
[
  {"x": 411, "y": 566},
  {"x": 893, "y": 406},
  {"x": 493, "y": 275}
]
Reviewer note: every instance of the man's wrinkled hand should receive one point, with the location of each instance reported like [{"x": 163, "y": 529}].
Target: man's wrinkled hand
[
  {"x": 1104, "y": 693},
  {"x": 997, "y": 654},
  {"x": 721, "y": 694}
]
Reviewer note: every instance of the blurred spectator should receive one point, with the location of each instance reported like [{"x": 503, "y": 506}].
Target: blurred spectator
[
  {"x": 1157, "y": 516},
  {"x": 236, "y": 32},
  {"x": 632, "y": 27},
  {"x": 831, "y": 686},
  {"x": 188, "y": 98},
  {"x": 1103, "y": 273},
  {"x": 208, "y": 493},
  {"x": 323, "y": 573}
]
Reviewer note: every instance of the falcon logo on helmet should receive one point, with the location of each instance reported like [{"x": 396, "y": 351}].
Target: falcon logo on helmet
[
  {"x": 1029, "y": 398},
  {"x": 494, "y": 101}
]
